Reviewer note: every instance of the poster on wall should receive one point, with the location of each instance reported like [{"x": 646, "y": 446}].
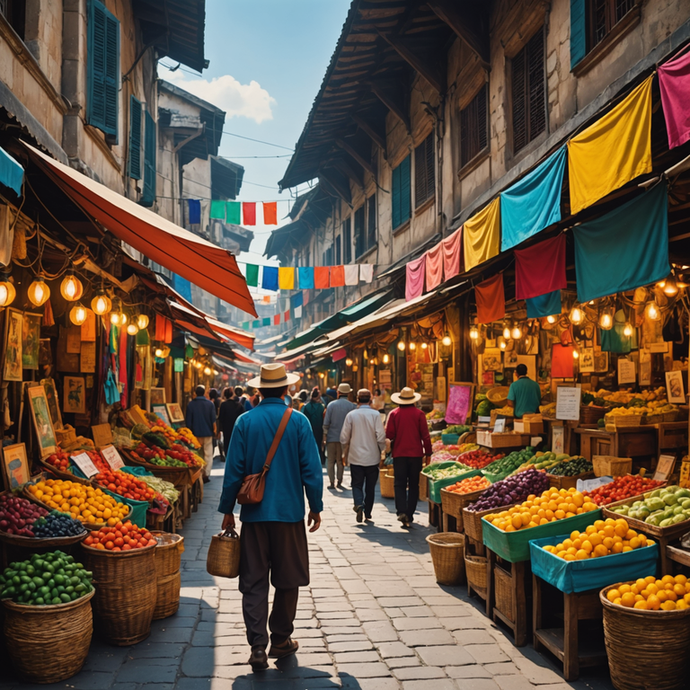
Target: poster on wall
[
  {"x": 626, "y": 371},
  {"x": 12, "y": 361},
  {"x": 645, "y": 368},
  {"x": 587, "y": 360},
  {"x": 42, "y": 422},
  {"x": 557, "y": 439},
  {"x": 74, "y": 395},
  {"x": 460, "y": 402},
  {"x": 15, "y": 466},
  {"x": 601, "y": 361},
  {"x": 493, "y": 359},
  {"x": 162, "y": 413},
  {"x": 53, "y": 402},
  {"x": 675, "y": 389},
  {"x": 31, "y": 340}
]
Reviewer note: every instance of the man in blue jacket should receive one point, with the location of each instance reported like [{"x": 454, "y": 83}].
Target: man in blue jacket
[
  {"x": 273, "y": 533},
  {"x": 201, "y": 419}
]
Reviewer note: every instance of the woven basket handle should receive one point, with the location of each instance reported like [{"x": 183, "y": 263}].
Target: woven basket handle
[{"x": 229, "y": 533}]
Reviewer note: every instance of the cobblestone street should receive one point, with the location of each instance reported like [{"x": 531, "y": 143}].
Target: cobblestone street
[{"x": 374, "y": 618}]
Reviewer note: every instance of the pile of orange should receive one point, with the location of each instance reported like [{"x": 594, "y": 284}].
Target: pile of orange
[
  {"x": 649, "y": 594},
  {"x": 603, "y": 538}
]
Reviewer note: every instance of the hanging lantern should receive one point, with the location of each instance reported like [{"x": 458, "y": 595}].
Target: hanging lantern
[
  {"x": 78, "y": 314},
  {"x": 576, "y": 316},
  {"x": 627, "y": 329},
  {"x": 71, "y": 288},
  {"x": 506, "y": 332},
  {"x": 401, "y": 345},
  {"x": 413, "y": 346},
  {"x": 576, "y": 354},
  {"x": 670, "y": 288},
  {"x": 38, "y": 292},
  {"x": 652, "y": 311},
  {"x": 551, "y": 318},
  {"x": 142, "y": 321},
  {"x": 447, "y": 342},
  {"x": 424, "y": 346},
  {"x": 502, "y": 343},
  {"x": 101, "y": 303},
  {"x": 123, "y": 318},
  {"x": 516, "y": 333},
  {"x": 158, "y": 352},
  {"x": 132, "y": 329},
  {"x": 606, "y": 320},
  {"x": 348, "y": 362},
  {"x": 386, "y": 358},
  {"x": 7, "y": 293},
  {"x": 474, "y": 335},
  {"x": 207, "y": 371}
]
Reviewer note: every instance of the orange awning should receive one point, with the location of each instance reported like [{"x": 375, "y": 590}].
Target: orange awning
[{"x": 210, "y": 267}]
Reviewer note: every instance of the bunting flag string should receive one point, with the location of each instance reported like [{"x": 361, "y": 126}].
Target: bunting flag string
[
  {"x": 276, "y": 278},
  {"x": 233, "y": 212},
  {"x": 293, "y": 312}
]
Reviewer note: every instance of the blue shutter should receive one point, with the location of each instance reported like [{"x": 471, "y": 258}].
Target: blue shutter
[
  {"x": 134, "y": 138},
  {"x": 150, "y": 144},
  {"x": 578, "y": 38},
  {"x": 405, "y": 191},
  {"x": 395, "y": 198}
]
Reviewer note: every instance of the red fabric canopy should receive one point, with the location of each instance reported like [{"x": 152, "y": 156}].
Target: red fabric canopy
[
  {"x": 491, "y": 300},
  {"x": 210, "y": 267},
  {"x": 540, "y": 269}
]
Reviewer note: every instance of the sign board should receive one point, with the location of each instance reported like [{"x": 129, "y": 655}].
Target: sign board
[
  {"x": 85, "y": 464},
  {"x": 102, "y": 435},
  {"x": 557, "y": 439},
  {"x": 626, "y": 371},
  {"x": 460, "y": 398},
  {"x": 664, "y": 468},
  {"x": 112, "y": 457},
  {"x": 535, "y": 441},
  {"x": 500, "y": 425},
  {"x": 568, "y": 403}
]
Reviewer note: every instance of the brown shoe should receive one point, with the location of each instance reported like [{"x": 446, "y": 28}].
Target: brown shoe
[
  {"x": 280, "y": 651},
  {"x": 258, "y": 659}
]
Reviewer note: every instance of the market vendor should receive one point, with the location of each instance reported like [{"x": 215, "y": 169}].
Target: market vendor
[{"x": 524, "y": 394}]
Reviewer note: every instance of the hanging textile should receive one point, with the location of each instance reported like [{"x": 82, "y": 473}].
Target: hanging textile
[
  {"x": 48, "y": 317},
  {"x": 233, "y": 212},
  {"x": 414, "y": 278},
  {"x": 434, "y": 267},
  {"x": 276, "y": 320},
  {"x": 481, "y": 236},
  {"x": 256, "y": 324},
  {"x": 160, "y": 327},
  {"x": 266, "y": 299},
  {"x": 11, "y": 172},
  {"x": 337, "y": 276},
  {"x": 452, "y": 254},
  {"x": 615, "y": 340},
  {"x": 286, "y": 316},
  {"x": 624, "y": 249},
  {"x": 491, "y": 300},
  {"x": 267, "y": 321},
  {"x": 674, "y": 84},
  {"x": 544, "y": 305},
  {"x": 168, "y": 332},
  {"x": 366, "y": 272},
  {"x": 541, "y": 268},
  {"x": 352, "y": 274},
  {"x": 534, "y": 202},
  {"x": 321, "y": 277},
  {"x": 562, "y": 362},
  {"x": 614, "y": 150},
  {"x": 270, "y": 212},
  {"x": 122, "y": 365},
  {"x": 306, "y": 278},
  {"x": 252, "y": 275},
  {"x": 249, "y": 212},
  {"x": 217, "y": 209},
  {"x": 194, "y": 211},
  {"x": 269, "y": 280},
  {"x": 286, "y": 278}
]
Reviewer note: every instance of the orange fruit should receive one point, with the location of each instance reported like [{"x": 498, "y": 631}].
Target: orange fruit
[
  {"x": 679, "y": 590},
  {"x": 669, "y": 606},
  {"x": 600, "y": 550},
  {"x": 628, "y": 599},
  {"x": 582, "y": 555},
  {"x": 642, "y": 604},
  {"x": 613, "y": 594},
  {"x": 653, "y": 602}
]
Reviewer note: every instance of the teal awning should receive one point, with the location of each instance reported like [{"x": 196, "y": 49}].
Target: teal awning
[{"x": 11, "y": 173}]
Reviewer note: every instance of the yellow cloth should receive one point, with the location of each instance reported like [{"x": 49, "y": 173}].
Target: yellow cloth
[
  {"x": 482, "y": 235},
  {"x": 286, "y": 278},
  {"x": 614, "y": 150}
]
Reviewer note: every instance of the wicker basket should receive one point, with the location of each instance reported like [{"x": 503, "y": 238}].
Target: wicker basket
[
  {"x": 179, "y": 476},
  {"x": 624, "y": 420},
  {"x": 168, "y": 557},
  {"x": 591, "y": 414},
  {"x": 48, "y": 644},
  {"x": 126, "y": 593},
  {"x": 472, "y": 521},
  {"x": 611, "y": 466},
  {"x": 503, "y": 591},
  {"x": 453, "y": 504},
  {"x": 475, "y": 569},
  {"x": 387, "y": 483},
  {"x": 447, "y": 555},
  {"x": 498, "y": 396},
  {"x": 646, "y": 649}
]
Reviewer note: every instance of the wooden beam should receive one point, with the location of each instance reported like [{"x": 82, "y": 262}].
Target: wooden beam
[
  {"x": 349, "y": 170},
  {"x": 355, "y": 154},
  {"x": 368, "y": 128},
  {"x": 432, "y": 73},
  {"x": 448, "y": 11},
  {"x": 332, "y": 181},
  {"x": 393, "y": 99}
]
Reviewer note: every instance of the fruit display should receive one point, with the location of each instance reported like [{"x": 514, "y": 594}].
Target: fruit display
[
  {"x": 51, "y": 579},
  {"x": 188, "y": 437},
  {"x": 506, "y": 411},
  {"x": 509, "y": 463},
  {"x": 469, "y": 485},
  {"x": 543, "y": 461},
  {"x": 458, "y": 429},
  {"x": 57, "y": 524},
  {"x": 484, "y": 408},
  {"x": 548, "y": 411},
  {"x": 124, "y": 484},
  {"x": 478, "y": 459},
  {"x": 511, "y": 490},
  {"x": 554, "y": 504},
  {"x": 175, "y": 456},
  {"x": 661, "y": 508},
  {"x": 623, "y": 487},
  {"x": 119, "y": 537},
  {"x": 435, "y": 415},
  {"x": 60, "y": 461},
  {"x": 603, "y": 538},
  {"x": 650, "y": 594},
  {"x": 90, "y": 505},
  {"x": 626, "y": 397},
  {"x": 572, "y": 468},
  {"x": 162, "y": 488},
  {"x": 17, "y": 515},
  {"x": 435, "y": 473}
]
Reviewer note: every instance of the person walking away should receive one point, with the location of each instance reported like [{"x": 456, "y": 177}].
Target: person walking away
[
  {"x": 364, "y": 438},
  {"x": 408, "y": 433},
  {"x": 214, "y": 397},
  {"x": 332, "y": 426},
  {"x": 301, "y": 399},
  {"x": 247, "y": 402},
  {"x": 314, "y": 411},
  {"x": 230, "y": 410},
  {"x": 201, "y": 420},
  {"x": 273, "y": 539},
  {"x": 239, "y": 392},
  {"x": 524, "y": 394}
]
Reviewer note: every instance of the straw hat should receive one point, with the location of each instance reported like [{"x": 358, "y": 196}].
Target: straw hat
[
  {"x": 406, "y": 397},
  {"x": 344, "y": 388},
  {"x": 273, "y": 376}
]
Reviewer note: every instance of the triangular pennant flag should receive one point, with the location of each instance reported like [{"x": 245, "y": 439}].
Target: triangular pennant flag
[
  {"x": 252, "y": 276},
  {"x": 232, "y": 212},
  {"x": 270, "y": 212},
  {"x": 249, "y": 212}
]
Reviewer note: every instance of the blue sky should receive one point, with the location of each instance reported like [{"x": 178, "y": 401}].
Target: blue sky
[{"x": 267, "y": 61}]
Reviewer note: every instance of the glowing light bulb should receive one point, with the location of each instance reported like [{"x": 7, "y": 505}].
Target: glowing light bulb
[
  {"x": 413, "y": 346},
  {"x": 142, "y": 321},
  {"x": 474, "y": 334},
  {"x": 101, "y": 304},
  {"x": 123, "y": 319},
  {"x": 551, "y": 319},
  {"x": 446, "y": 341},
  {"x": 71, "y": 288},
  {"x": 115, "y": 318},
  {"x": 516, "y": 333},
  {"x": 38, "y": 292},
  {"x": 506, "y": 333},
  {"x": 78, "y": 314},
  {"x": 606, "y": 320},
  {"x": 7, "y": 293},
  {"x": 577, "y": 316},
  {"x": 651, "y": 311},
  {"x": 670, "y": 288},
  {"x": 424, "y": 346},
  {"x": 132, "y": 329},
  {"x": 207, "y": 371},
  {"x": 386, "y": 359},
  {"x": 401, "y": 345},
  {"x": 627, "y": 330},
  {"x": 158, "y": 352},
  {"x": 576, "y": 354},
  {"x": 348, "y": 362}
]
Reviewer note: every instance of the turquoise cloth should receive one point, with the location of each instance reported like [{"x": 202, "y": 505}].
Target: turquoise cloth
[
  {"x": 306, "y": 278},
  {"x": 137, "y": 471},
  {"x": 624, "y": 249},
  {"x": 534, "y": 202},
  {"x": 11, "y": 173},
  {"x": 544, "y": 305},
  {"x": 614, "y": 340},
  {"x": 526, "y": 395},
  {"x": 137, "y": 514}
]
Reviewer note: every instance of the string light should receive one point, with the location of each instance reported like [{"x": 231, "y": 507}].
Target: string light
[
  {"x": 38, "y": 292},
  {"x": 446, "y": 341},
  {"x": 651, "y": 311},
  {"x": 386, "y": 358},
  {"x": 78, "y": 314},
  {"x": 606, "y": 320},
  {"x": 413, "y": 346},
  {"x": 577, "y": 316},
  {"x": 159, "y": 353},
  {"x": 7, "y": 293},
  {"x": 516, "y": 333},
  {"x": 424, "y": 346},
  {"x": 628, "y": 330},
  {"x": 474, "y": 334},
  {"x": 670, "y": 288},
  {"x": 401, "y": 345},
  {"x": 71, "y": 288},
  {"x": 101, "y": 303},
  {"x": 142, "y": 321},
  {"x": 506, "y": 332},
  {"x": 551, "y": 318},
  {"x": 132, "y": 329},
  {"x": 348, "y": 362},
  {"x": 207, "y": 371},
  {"x": 576, "y": 354}
]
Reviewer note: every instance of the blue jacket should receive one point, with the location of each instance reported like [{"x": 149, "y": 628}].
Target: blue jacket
[
  {"x": 296, "y": 466},
  {"x": 201, "y": 416}
]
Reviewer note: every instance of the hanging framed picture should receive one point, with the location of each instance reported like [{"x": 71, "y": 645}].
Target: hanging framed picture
[
  {"x": 601, "y": 361},
  {"x": 12, "y": 353},
  {"x": 15, "y": 466},
  {"x": 53, "y": 402},
  {"x": 175, "y": 413},
  {"x": 675, "y": 390},
  {"x": 157, "y": 396},
  {"x": 74, "y": 395},
  {"x": 43, "y": 424},
  {"x": 162, "y": 413},
  {"x": 31, "y": 340},
  {"x": 587, "y": 360}
]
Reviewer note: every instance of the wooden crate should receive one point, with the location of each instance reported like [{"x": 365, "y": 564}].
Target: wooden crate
[
  {"x": 611, "y": 466},
  {"x": 508, "y": 592},
  {"x": 567, "y": 482},
  {"x": 502, "y": 440}
]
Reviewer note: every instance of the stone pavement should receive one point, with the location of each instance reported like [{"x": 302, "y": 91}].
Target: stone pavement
[{"x": 374, "y": 618}]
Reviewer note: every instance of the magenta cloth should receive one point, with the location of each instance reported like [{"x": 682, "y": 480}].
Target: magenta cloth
[
  {"x": 434, "y": 267},
  {"x": 459, "y": 404},
  {"x": 414, "y": 281},
  {"x": 339, "y": 354},
  {"x": 123, "y": 366},
  {"x": 540, "y": 269},
  {"x": 491, "y": 301},
  {"x": 452, "y": 254},
  {"x": 674, "y": 84}
]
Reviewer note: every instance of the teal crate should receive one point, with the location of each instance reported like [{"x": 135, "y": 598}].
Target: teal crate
[
  {"x": 514, "y": 546},
  {"x": 450, "y": 439}
]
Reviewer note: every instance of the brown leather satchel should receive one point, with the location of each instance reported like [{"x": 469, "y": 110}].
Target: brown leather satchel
[{"x": 253, "y": 486}]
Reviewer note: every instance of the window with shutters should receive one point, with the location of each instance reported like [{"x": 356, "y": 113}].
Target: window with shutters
[
  {"x": 347, "y": 241},
  {"x": 360, "y": 236},
  {"x": 528, "y": 92},
  {"x": 400, "y": 194},
  {"x": 150, "y": 145},
  {"x": 474, "y": 127},
  {"x": 371, "y": 221},
  {"x": 338, "y": 255},
  {"x": 424, "y": 175},
  {"x": 602, "y": 16},
  {"x": 103, "y": 71},
  {"x": 134, "y": 138}
]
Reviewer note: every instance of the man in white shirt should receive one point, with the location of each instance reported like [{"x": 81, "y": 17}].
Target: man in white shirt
[{"x": 364, "y": 438}]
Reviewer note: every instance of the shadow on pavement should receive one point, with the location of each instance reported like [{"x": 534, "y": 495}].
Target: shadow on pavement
[{"x": 291, "y": 676}]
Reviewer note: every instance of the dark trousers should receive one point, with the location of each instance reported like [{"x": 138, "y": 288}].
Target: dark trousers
[
  {"x": 364, "y": 495},
  {"x": 281, "y": 548},
  {"x": 406, "y": 485}
]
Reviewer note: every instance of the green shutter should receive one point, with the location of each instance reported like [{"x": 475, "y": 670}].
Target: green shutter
[
  {"x": 395, "y": 198},
  {"x": 578, "y": 37},
  {"x": 405, "y": 191},
  {"x": 150, "y": 144},
  {"x": 134, "y": 138}
]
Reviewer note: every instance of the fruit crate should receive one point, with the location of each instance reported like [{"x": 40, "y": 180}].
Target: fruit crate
[
  {"x": 453, "y": 504},
  {"x": 591, "y": 414},
  {"x": 568, "y": 482},
  {"x": 611, "y": 466},
  {"x": 624, "y": 420},
  {"x": 472, "y": 520}
]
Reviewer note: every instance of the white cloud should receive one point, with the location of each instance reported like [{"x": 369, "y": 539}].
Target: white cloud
[{"x": 236, "y": 99}]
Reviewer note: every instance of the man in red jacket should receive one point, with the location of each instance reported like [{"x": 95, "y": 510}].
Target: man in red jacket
[{"x": 411, "y": 448}]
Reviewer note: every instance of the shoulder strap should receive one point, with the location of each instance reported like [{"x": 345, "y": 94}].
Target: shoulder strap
[{"x": 277, "y": 438}]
